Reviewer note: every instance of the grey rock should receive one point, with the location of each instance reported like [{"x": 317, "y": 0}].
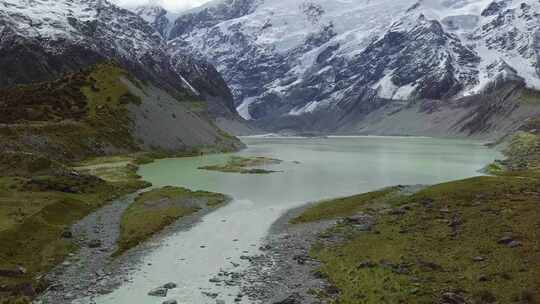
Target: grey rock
[
  {"x": 479, "y": 259},
  {"x": 451, "y": 298},
  {"x": 212, "y": 295},
  {"x": 16, "y": 272},
  {"x": 170, "y": 302},
  {"x": 158, "y": 292},
  {"x": 94, "y": 244},
  {"x": 67, "y": 234},
  {"x": 170, "y": 285},
  {"x": 505, "y": 240},
  {"x": 367, "y": 264},
  {"x": 214, "y": 280},
  {"x": 514, "y": 244},
  {"x": 292, "y": 299}
]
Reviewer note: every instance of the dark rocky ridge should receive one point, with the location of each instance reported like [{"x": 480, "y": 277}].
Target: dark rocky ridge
[{"x": 211, "y": 16}]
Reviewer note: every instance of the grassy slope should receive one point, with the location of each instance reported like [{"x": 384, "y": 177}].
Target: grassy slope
[
  {"x": 37, "y": 204},
  {"x": 45, "y": 128},
  {"x": 445, "y": 240},
  {"x": 156, "y": 209},
  {"x": 77, "y": 116},
  {"x": 32, "y": 221},
  {"x": 244, "y": 165}
]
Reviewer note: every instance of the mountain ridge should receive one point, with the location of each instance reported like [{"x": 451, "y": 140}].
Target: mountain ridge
[
  {"x": 43, "y": 40},
  {"x": 46, "y": 41},
  {"x": 290, "y": 59}
]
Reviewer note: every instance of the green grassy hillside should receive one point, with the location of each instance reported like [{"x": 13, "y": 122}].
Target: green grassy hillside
[{"x": 468, "y": 241}]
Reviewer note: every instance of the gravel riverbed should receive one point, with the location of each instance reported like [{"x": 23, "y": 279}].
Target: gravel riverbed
[{"x": 92, "y": 271}]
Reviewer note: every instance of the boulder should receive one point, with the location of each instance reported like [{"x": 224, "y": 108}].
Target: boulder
[
  {"x": 301, "y": 259},
  {"x": 514, "y": 244},
  {"x": 94, "y": 244},
  {"x": 505, "y": 240},
  {"x": 158, "y": 292},
  {"x": 10, "y": 273},
  {"x": 292, "y": 299},
  {"x": 170, "y": 302},
  {"x": 479, "y": 259},
  {"x": 451, "y": 298},
  {"x": 67, "y": 234},
  {"x": 367, "y": 264},
  {"x": 170, "y": 285}
]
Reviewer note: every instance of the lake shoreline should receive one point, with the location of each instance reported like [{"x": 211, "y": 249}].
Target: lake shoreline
[
  {"x": 286, "y": 272},
  {"x": 465, "y": 241},
  {"x": 113, "y": 277}
]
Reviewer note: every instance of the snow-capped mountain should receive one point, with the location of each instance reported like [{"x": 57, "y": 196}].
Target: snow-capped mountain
[
  {"x": 42, "y": 39},
  {"x": 289, "y": 58},
  {"x": 161, "y": 19}
]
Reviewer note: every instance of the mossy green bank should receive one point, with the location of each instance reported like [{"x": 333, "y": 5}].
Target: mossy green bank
[
  {"x": 475, "y": 240},
  {"x": 244, "y": 165},
  {"x": 154, "y": 210}
]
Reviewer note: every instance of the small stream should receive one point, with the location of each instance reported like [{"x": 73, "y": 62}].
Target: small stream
[{"x": 313, "y": 169}]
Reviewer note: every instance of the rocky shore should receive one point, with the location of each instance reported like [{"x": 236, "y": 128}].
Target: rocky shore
[
  {"x": 285, "y": 273},
  {"x": 466, "y": 241},
  {"x": 93, "y": 270}
]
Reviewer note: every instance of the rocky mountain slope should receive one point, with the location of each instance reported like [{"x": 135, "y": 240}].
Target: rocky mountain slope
[
  {"x": 114, "y": 53},
  {"x": 160, "y": 19},
  {"x": 285, "y": 60},
  {"x": 102, "y": 110}
]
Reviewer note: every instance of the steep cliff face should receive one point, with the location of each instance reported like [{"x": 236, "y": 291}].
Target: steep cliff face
[{"x": 287, "y": 59}]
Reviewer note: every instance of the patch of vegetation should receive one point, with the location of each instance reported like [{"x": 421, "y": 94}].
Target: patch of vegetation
[
  {"x": 346, "y": 206},
  {"x": 244, "y": 165},
  {"x": 47, "y": 101},
  {"x": 76, "y": 116},
  {"x": 149, "y": 157},
  {"x": 42, "y": 199},
  {"x": 156, "y": 209},
  {"x": 24, "y": 164},
  {"x": 34, "y": 212},
  {"x": 529, "y": 96},
  {"x": 106, "y": 90},
  {"x": 46, "y": 129},
  {"x": 477, "y": 240},
  {"x": 532, "y": 125},
  {"x": 523, "y": 152},
  {"x": 197, "y": 106},
  {"x": 495, "y": 168},
  {"x": 114, "y": 169}
]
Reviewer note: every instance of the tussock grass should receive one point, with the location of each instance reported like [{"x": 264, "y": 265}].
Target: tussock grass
[
  {"x": 35, "y": 211},
  {"x": 445, "y": 238},
  {"x": 244, "y": 165},
  {"x": 154, "y": 210}
]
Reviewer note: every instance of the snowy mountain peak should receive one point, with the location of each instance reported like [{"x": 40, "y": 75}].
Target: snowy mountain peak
[
  {"x": 150, "y": 12},
  {"x": 300, "y": 56},
  {"x": 84, "y": 22},
  {"x": 157, "y": 16}
]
